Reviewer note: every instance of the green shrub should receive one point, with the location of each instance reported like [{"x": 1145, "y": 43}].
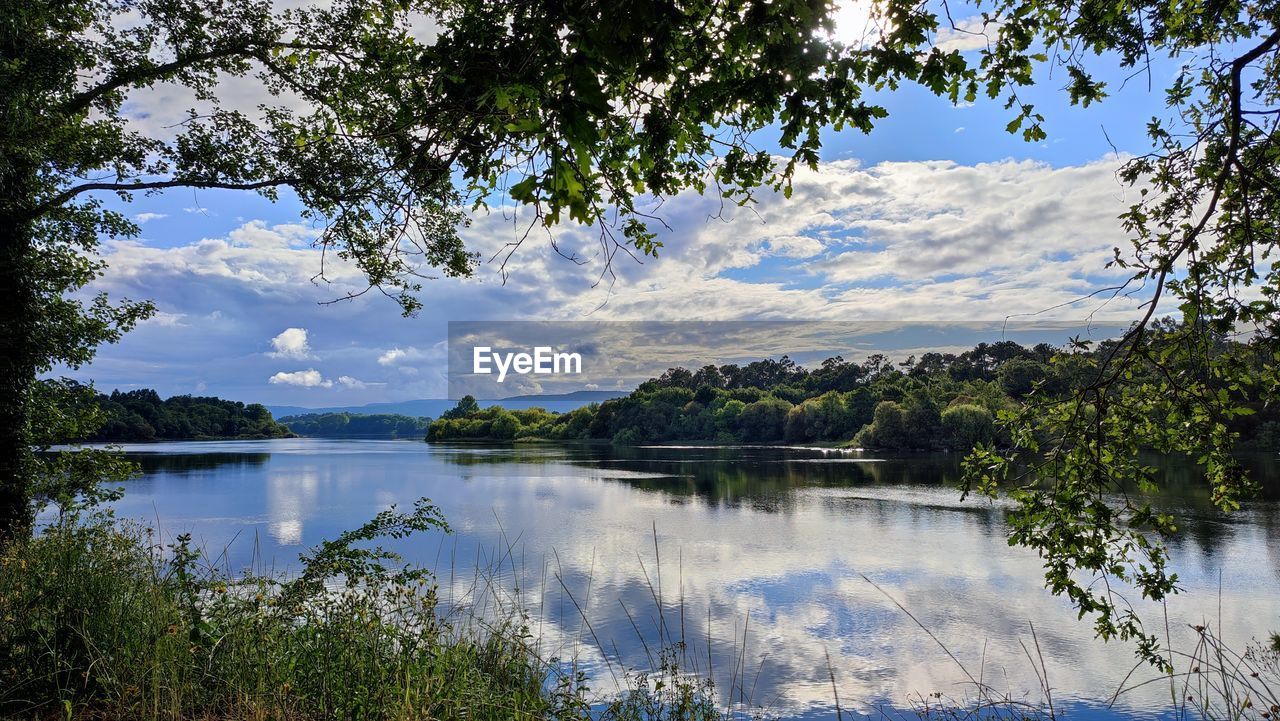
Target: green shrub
[
  {"x": 628, "y": 437},
  {"x": 888, "y": 429},
  {"x": 966, "y": 425},
  {"x": 505, "y": 426},
  {"x": 100, "y": 621}
]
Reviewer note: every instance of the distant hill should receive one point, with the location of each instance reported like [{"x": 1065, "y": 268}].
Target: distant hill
[
  {"x": 433, "y": 407},
  {"x": 426, "y": 408}
]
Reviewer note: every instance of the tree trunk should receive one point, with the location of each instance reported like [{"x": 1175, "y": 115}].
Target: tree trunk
[
  {"x": 17, "y": 367},
  {"x": 19, "y": 118}
]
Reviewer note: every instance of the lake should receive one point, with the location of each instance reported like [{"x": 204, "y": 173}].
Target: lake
[{"x": 759, "y": 557}]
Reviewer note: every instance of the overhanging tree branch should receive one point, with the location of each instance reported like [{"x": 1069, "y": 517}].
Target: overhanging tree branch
[{"x": 73, "y": 191}]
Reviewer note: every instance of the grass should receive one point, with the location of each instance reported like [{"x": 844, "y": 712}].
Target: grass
[{"x": 100, "y": 621}]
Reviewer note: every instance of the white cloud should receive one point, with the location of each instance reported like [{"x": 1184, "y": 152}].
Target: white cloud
[
  {"x": 960, "y": 129},
  {"x": 256, "y": 234},
  {"x": 142, "y": 218},
  {"x": 968, "y": 34},
  {"x": 391, "y": 357},
  {"x": 401, "y": 356},
  {"x": 930, "y": 240},
  {"x": 309, "y": 378},
  {"x": 159, "y": 109},
  {"x": 927, "y": 240},
  {"x": 1017, "y": 222},
  {"x": 352, "y": 383},
  {"x": 169, "y": 320},
  {"x": 793, "y": 246},
  {"x": 272, "y": 263},
  {"x": 291, "y": 343}
]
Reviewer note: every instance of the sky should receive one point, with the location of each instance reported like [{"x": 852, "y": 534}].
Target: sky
[{"x": 938, "y": 215}]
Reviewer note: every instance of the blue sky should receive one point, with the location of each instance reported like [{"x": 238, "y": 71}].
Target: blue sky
[{"x": 937, "y": 215}]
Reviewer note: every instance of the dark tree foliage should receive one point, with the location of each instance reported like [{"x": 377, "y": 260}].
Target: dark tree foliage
[
  {"x": 141, "y": 415},
  {"x": 356, "y": 425},
  {"x": 465, "y": 407}
]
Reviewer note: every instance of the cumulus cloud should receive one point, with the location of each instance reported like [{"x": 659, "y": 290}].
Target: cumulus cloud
[
  {"x": 970, "y": 33},
  {"x": 793, "y": 246},
  {"x": 391, "y": 357},
  {"x": 400, "y": 356},
  {"x": 274, "y": 264},
  {"x": 929, "y": 240},
  {"x": 166, "y": 319},
  {"x": 885, "y": 241},
  {"x": 291, "y": 343},
  {"x": 352, "y": 383},
  {"x": 309, "y": 378},
  {"x": 142, "y": 218},
  {"x": 1004, "y": 221},
  {"x": 256, "y": 234},
  {"x": 158, "y": 109}
]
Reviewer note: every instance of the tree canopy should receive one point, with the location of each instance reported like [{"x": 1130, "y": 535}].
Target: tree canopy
[{"x": 141, "y": 415}]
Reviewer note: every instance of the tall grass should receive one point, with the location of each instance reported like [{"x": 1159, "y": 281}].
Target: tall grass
[
  {"x": 100, "y": 621},
  {"x": 1215, "y": 681}
]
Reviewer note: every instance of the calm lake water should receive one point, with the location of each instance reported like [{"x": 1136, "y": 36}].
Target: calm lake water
[{"x": 761, "y": 544}]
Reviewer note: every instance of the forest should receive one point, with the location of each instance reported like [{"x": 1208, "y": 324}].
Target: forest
[
  {"x": 356, "y": 425},
  {"x": 937, "y": 401},
  {"x": 141, "y": 415}
]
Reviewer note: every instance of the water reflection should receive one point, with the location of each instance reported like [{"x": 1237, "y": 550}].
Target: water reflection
[
  {"x": 166, "y": 462},
  {"x": 291, "y": 498},
  {"x": 761, "y": 542}
]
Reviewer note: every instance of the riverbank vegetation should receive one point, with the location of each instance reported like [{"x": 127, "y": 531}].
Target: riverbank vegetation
[
  {"x": 936, "y": 401},
  {"x": 356, "y": 425},
  {"x": 102, "y": 621},
  {"x": 139, "y": 416}
]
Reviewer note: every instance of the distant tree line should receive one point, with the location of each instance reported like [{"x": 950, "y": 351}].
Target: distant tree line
[
  {"x": 356, "y": 425},
  {"x": 141, "y": 415},
  {"x": 937, "y": 401}
]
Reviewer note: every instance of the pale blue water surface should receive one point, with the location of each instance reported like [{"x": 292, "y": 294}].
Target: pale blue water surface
[{"x": 766, "y": 543}]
